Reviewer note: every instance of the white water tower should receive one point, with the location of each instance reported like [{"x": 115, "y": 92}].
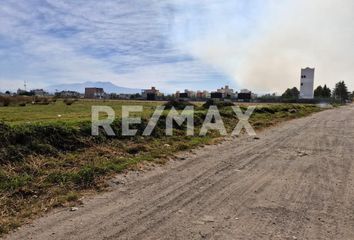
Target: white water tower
[{"x": 306, "y": 83}]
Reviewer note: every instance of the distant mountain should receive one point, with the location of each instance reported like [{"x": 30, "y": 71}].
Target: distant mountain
[{"x": 108, "y": 87}]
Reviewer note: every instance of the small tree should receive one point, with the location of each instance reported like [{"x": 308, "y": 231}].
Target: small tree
[
  {"x": 326, "y": 92},
  {"x": 269, "y": 96},
  {"x": 340, "y": 92},
  {"x": 26, "y": 93},
  {"x": 318, "y": 92},
  {"x": 291, "y": 93},
  {"x": 322, "y": 92},
  {"x": 135, "y": 96}
]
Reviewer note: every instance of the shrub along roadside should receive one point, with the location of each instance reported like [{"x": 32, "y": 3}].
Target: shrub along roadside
[{"x": 49, "y": 165}]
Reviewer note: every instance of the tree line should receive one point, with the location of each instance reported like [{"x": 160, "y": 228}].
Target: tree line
[{"x": 339, "y": 93}]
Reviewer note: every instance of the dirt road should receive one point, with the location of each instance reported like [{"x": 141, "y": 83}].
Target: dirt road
[{"x": 295, "y": 182}]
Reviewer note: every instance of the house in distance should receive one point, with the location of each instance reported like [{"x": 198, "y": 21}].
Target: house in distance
[
  {"x": 151, "y": 94},
  {"x": 245, "y": 95},
  {"x": 227, "y": 92},
  {"x": 94, "y": 93}
]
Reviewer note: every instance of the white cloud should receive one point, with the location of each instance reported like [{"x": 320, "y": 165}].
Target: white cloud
[
  {"x": 279, "y": 40},
  {"x": 61, "y": 41}
]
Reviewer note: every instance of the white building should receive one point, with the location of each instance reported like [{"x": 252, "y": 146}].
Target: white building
[
  {"x": 190, "y": 93},
  {"x": 206, "y": 94},
  {"x": 39, "y": 92},
  {"x": 307, "y": 82},
  {"x": 226, "y": 92}
]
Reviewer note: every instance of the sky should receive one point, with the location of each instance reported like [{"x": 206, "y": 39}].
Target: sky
[{"x": 176, "y": 44}]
